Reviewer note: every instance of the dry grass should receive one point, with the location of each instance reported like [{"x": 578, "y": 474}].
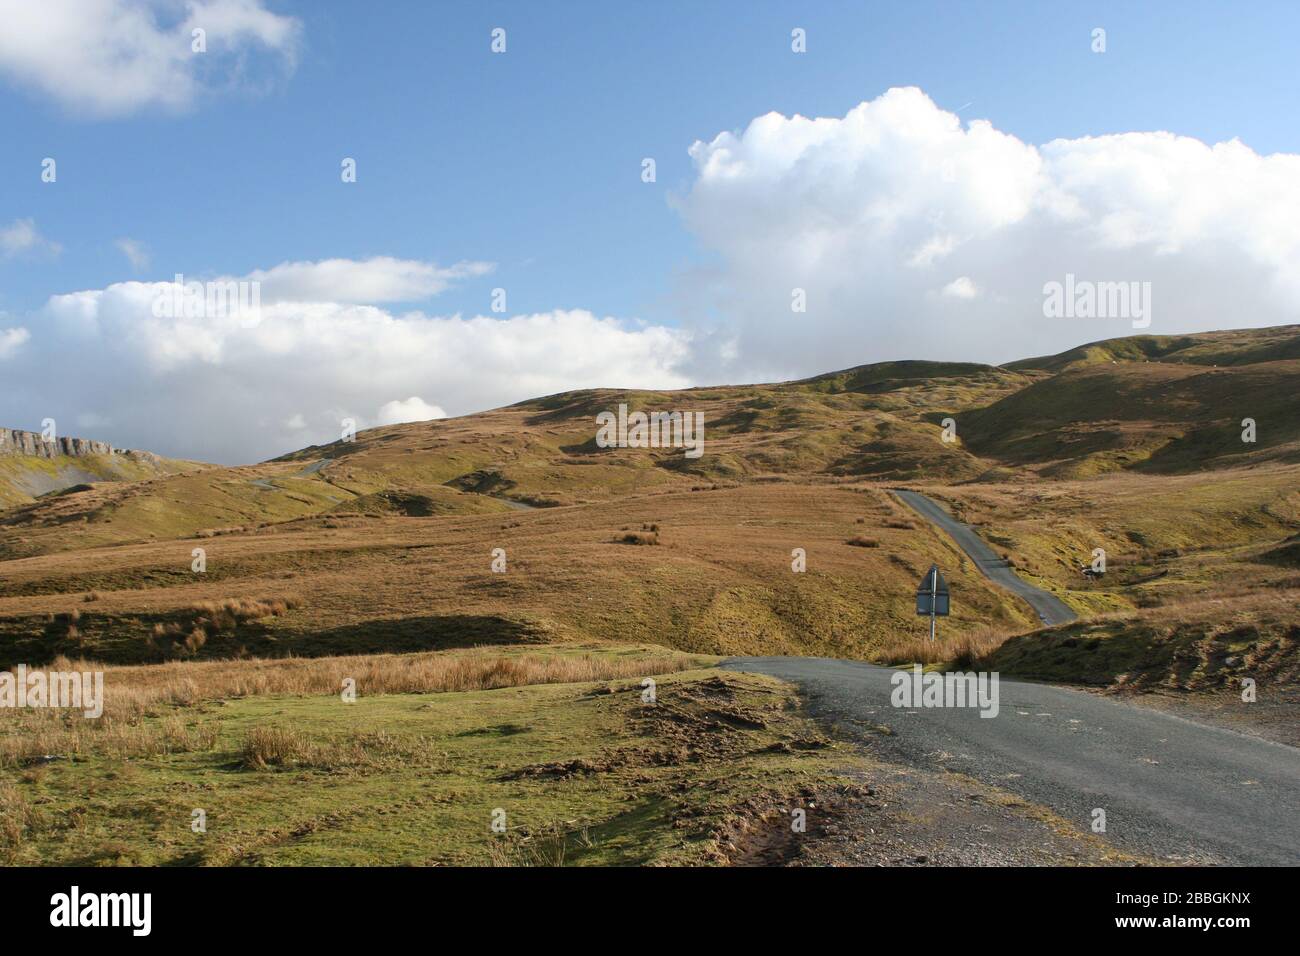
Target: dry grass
[
  {"x": 859, "y": 541},
  {"x": 266, "y": 747},
  {"x": 545, "y": 849},
  {"x": 210, "y": 618},
  {"x": 724, "y": 556},
  {"x": 135, "y": 696},
  {"x": 16, "y": 816},
  {"x": 33, "y": 736},
  {"x": 964, "y": 651},
  {"x": 274, "y": 747},
  {"x": 638, "y": 537}
]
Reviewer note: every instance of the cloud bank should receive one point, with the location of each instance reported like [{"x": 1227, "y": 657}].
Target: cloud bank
[
  {"x": 913, "y": 235},
  {"x": 903, "y": 232},
  {"x": 212, "y": 388}
]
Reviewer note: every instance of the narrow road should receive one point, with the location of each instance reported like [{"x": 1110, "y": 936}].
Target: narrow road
[
  {"x": 313, "y": 468},
  {"x": 1049, "y": 608},
  {"x": 1170, "y": 787}
]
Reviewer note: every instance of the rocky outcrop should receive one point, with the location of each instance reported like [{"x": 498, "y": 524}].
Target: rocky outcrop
[{"x": 31, "y": 444}]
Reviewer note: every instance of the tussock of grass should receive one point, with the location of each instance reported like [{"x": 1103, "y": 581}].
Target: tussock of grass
[
  {"x": 966, "y": 651},
  {"x": 210, "y": 618},
  {"x": 43, "y": 735},
  {"x": 16, "y": 815},
  {"x": 638, "y": 537}
]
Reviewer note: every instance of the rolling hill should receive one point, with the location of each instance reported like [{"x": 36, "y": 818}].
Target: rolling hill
[
  {"x": 384, "y": 542},
  {"x": 32, "y": 468}
]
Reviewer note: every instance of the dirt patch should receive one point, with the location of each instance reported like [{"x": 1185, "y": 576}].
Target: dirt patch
[
  {"x": 911, "y": 817},
  {"x": 703, "y": 722},
  {"x": 774, "y": 830}
]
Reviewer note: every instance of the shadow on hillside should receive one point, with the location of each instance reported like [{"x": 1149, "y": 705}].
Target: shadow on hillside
[
  {"x": 432, "y": 633},
  {"x": 125, "y": 639}
]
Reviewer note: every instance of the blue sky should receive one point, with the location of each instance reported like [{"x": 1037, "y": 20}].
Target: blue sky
[{"x": 531, "y": 160}]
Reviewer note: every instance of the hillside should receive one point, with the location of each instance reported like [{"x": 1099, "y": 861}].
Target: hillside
[
  {"x": 384, "y": 542},
  {"x": 31, "y": 467},
  {"x": 873, "y": 422},
  {"x": 1143, "y": 416}
]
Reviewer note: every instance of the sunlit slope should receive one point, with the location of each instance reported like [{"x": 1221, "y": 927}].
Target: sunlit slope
[
  {"x": 211, "y": 502},
  {"x": 710, "y": 571},
  {"x": 1145, "y": 404},
  {"x": 878, "y": 421},
  {"x": 25, "y": 478},
  {"x": 1236, "y": 347},
  {"x": 1150, "y": 405}
]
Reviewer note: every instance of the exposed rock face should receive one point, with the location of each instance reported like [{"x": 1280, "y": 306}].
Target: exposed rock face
[{"x": 15, "y": 442}]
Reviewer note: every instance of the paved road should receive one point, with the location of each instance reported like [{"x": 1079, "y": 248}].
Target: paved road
[
  {"x": 1169, "y": 786},
  {"x": 1049, "y": 608},
  {"x": 314, "y": 467}
]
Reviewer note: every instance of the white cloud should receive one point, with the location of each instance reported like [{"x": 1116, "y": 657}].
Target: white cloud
[
  {"x": 379, "y": 279},
  {"x": 212, "y": 389},
  {"x": 115, "y": 57},
  {"x": 875, "y": 212},
  {"x": 11, "y": 340},
  {"x": 22, "y": 236},
  {"x": 413, "y": 409},
  {"x": 135, "y": 253},
  {"x": 961, "y": 288}
]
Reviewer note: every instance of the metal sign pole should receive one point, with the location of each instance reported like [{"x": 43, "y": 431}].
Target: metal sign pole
[
  {"x": 928, "y": 592},
  {"x": 934, "y": 588}
]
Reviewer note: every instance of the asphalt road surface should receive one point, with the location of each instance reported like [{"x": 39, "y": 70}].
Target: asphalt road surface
[
  {"x": 1049, "y": 608},
  {"x": 1170, "y": 787}
]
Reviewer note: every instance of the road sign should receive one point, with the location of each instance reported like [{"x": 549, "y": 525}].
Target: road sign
[
  {"x": 932, "y": 594},
  {"x": 932, "y": 598}
]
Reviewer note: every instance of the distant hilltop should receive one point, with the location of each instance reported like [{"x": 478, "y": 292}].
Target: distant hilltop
[{"x": 33, "y": 445}]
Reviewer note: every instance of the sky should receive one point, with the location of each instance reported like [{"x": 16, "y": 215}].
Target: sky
[{"x": 908, "y": 185}]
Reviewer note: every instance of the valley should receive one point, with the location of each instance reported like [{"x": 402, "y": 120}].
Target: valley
[{"x": 472, "y": 544}]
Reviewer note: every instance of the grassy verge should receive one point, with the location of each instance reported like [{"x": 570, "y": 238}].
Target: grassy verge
[
  {"x": 1208, "y": 645},
  {"x": 583, "y": 773}
]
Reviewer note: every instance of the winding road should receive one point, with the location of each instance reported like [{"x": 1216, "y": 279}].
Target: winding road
[
  {"x": 1049, "y": 608},
  {"x": 1170, "y": 787}
]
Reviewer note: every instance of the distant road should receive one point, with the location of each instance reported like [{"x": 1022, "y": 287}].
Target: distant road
[
  {"x": 1169, "y": 786},
  {"x": 1049, "y": 608}
]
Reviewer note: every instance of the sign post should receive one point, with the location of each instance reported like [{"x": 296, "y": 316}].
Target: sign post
[{"x": 932, "y": 597}]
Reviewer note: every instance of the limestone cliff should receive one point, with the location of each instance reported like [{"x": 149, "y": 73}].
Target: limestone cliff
[{"x": 16, "y": 442}]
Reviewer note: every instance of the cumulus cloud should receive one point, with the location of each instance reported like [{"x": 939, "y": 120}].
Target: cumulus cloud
[
  {"x": 413, "y": 409},
  {"x": 115, "y": 57},
  {"x": 11, "y": 340},
  {"x": 21, "y": 236},
  {"x": 211, "y": 388},
  {"x": 913, "y": 235}
]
